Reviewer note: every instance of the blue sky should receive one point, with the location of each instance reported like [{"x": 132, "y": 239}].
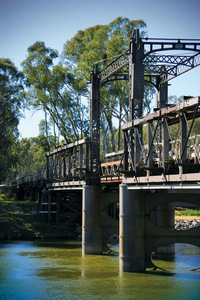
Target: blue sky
[{"x": 23, "y": 22}]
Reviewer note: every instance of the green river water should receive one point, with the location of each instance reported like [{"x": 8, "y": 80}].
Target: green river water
[{"x": 56, "y": 270}]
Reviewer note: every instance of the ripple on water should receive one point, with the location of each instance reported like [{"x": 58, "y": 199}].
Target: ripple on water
[{"x": 56, "y": 270}]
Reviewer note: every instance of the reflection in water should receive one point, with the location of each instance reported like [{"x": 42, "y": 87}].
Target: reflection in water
[
  {"x": 56, "y": 270},
  {"x": 186, "y": 258}
]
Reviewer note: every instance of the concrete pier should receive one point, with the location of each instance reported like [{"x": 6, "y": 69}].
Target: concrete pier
[
  {"x": 110, "y": 222},
  {"x": 164, "y": 216},
  {"x": 91, "y": 220},
  {"x": 132, "y": 252}
]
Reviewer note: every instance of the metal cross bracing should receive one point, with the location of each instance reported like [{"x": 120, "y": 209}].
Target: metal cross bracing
[
  {"x": 167, "y": 160},
  {"x": 118, "y": 70},
  {"x": 68, "y": 165},
  {"x": 154, "y": 65},
  {"x": 172, "y": 66}
]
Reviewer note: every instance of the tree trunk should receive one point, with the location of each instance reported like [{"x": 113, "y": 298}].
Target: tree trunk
[{"x": 110, "y": 125}]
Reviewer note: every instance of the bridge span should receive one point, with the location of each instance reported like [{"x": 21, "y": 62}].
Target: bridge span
[{"x": 149, "y": 176}]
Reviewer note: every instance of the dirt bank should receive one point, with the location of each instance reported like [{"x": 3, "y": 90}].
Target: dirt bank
[{"x": 189, "y": 218}]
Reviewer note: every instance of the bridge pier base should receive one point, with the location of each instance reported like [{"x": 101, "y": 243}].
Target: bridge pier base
[
  {"x": 131, "y": 239},
  {"x": 91, "y": 220}
]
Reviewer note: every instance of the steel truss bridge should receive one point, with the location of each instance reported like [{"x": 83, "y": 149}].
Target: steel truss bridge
[{"x": 149, "y": 172}]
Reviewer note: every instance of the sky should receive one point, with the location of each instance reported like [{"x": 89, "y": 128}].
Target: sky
[{"x": 23, "y": 22}]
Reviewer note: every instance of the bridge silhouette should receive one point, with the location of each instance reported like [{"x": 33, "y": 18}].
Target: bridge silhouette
[{"x": 147, "y": 177}]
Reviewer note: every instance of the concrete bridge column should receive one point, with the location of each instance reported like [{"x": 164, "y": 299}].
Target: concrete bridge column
[
  {"x": 164, "y": 216},
  {"x": 110, "y": 223},
  {"x": 91, "y": 220},
  {"x": 132, "y": 254}
]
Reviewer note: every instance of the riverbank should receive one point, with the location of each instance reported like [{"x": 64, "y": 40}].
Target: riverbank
[{"x": 19, "y": 220}]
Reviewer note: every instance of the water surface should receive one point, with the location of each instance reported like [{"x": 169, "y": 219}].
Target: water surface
[{"x": 56, "y": 270}]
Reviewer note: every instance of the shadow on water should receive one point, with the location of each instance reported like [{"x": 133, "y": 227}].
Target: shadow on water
[
  {"x": 185, "y": 260},
  {"x": 59, "y": 244}
]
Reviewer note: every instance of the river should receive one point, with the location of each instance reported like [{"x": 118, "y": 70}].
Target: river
[{"x": 56, "y": 270}]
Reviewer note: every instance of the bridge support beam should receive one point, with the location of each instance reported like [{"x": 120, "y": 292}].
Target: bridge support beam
[
  {"x": 91, "y": 220},
  {"x": 132, "y": 252}
]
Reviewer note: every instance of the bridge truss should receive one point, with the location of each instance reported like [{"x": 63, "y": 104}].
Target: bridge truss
[
  {"x": 142, "y": 62},
  {"x": 155, "y": 65},
  {"x": 163, "y": 159}
]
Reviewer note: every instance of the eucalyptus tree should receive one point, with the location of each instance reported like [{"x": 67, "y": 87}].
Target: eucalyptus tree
[
  {"x": 100, "y": 44},
  {"x": 11, "y": 86},
  {"x": 31, "y": 156},
  {"x": 53, "y": 88}
]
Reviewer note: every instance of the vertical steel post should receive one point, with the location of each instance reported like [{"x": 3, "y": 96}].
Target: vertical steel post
[
  {"x": 165, "y": 143},
  {"x": 95, "y": 127},
  {"x": 125, "y": 158},
  {"x": 162, "y": 135},
  {"x": 136, "y": 87},
  {"x": 64, "y": 166},
  {"x": 162, "y": 95},
  {"x": 137, "y": 149},
  {"x": 74, "y": 161},
  {"x": 149, "y": 147},
  {"x": 183, "y": 137},
  {"x": 81, "y": 161},
  {"x": 136, "y": 76}
]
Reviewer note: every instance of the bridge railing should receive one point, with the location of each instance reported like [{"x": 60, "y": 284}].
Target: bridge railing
[
  {"x": 36, "y": 178},
  {"x": 69, "y": 162},
  {"x": 111, "y": 167},
  {"x": 171, "y": 159}
]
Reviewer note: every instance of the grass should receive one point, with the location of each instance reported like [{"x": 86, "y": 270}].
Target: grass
[
  {"x": 18, "y": 220},
  {"x": 188, "y": 212},
  {"x": 10, "y": 203}
]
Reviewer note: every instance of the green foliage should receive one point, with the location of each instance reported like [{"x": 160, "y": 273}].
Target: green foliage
[
  {"x": 31, "y": 156},
  {"x": 9, "y": 203},
  {"x": 188, "y": 212},
  {"x": 2, "y": 196},
  {"x": 54, "y": 89},
  {"x": 11, "y": 85},
  {"x": 101, "y": 44}
]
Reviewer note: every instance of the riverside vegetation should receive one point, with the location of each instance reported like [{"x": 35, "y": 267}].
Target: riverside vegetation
[{"x": 19, "y": 220}]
